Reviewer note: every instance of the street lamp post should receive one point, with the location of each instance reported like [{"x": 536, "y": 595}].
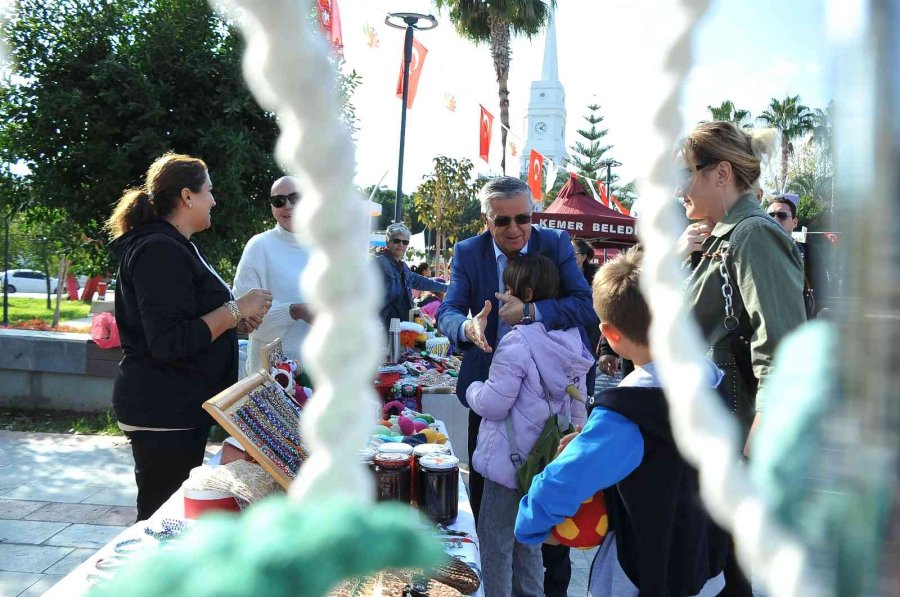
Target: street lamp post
[
  {"x": 410, "y": 22},
  {"x": 610, "y": 164},
  {"x": 6, "y": 273}
]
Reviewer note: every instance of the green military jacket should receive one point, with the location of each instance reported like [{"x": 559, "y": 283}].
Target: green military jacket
[{"x": 766, "y": 274}]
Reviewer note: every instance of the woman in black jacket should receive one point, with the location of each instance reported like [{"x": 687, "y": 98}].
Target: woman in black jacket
[{"x": 177, "y": 320}]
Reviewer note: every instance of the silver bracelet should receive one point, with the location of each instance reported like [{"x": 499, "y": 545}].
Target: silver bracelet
[{"x": 235, "y": 312}]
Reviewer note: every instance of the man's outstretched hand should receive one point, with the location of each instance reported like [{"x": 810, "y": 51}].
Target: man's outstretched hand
[{"x": 475, "y": 328}]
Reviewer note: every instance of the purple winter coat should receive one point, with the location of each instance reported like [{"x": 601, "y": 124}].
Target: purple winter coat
[{"x": 525, "y": 356}]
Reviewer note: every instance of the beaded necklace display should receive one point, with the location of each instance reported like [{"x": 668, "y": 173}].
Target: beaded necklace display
[{"x": 271, "y": 421}]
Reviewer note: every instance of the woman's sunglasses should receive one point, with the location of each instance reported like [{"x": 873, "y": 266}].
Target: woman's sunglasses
[
  {"x": 280, "y": 200},
  {"x": 399, "y": 241},
  {"x": 781, "y": 216},
  {"x": 503, "y": 221}
]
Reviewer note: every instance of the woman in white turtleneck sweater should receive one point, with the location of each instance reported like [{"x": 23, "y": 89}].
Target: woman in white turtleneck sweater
[{"x": 275, "y": 260}]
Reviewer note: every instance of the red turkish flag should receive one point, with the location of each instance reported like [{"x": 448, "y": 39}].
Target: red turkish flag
[
  {"x": 485, "y": 129},
  {"x": 330, "y": 18},
  {"x": 619, "y": 207},
  {"x": 415, "y": 71},
  {"x": 535, "y": 174},
  {"x": 603, "y": 198}
]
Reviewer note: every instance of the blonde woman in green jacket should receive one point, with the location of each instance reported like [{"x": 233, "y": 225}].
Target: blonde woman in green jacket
[{"x": 762, "y": 274}]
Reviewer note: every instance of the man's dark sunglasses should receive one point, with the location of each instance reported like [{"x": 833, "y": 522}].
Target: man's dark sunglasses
[
  {"x": 503, "y": 221},
  {"x": 781, "y": 216},
  {"x": 280, "y": 200},
  {"x": 399, "y": 241}
]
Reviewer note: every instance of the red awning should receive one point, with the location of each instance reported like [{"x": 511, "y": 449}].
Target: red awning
[{"x": 578, "y": 213}]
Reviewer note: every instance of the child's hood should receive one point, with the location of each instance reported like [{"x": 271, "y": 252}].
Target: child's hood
[{"x": 560, "y": 355}]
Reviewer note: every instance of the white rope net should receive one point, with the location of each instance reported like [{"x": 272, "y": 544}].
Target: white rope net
[
  {"x": 287, "y": 67},
  {"x": 289, "y": 72},
  {"x": 705, "y": 432}
]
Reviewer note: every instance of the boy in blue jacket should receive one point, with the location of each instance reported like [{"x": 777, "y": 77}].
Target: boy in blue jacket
[{"x": 661, "y": 542}]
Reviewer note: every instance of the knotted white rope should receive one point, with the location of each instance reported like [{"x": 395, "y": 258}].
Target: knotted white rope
[
  {"x": 705, "y": 432},
  {"x": 287, "y": 67},
  {"x": 289, "y": 72}
]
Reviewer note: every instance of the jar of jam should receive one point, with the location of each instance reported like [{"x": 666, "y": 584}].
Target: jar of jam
[
  {"x": 396, "y": 448},
  {"x": 439, "y": 487},
  {"x": 392, "y": 477},
  {"x": 420, "y": 451}
]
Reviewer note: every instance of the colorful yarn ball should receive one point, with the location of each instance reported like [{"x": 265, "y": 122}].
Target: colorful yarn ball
[
  {"x": 406, "y": 425},
  {"x": 427, "y": 418},
  {"x": 381, "y": 430},
  {"x": 434, "y": 437},
  {"x": 419, "y": 425},
  {"x": 394, "y": 407}
]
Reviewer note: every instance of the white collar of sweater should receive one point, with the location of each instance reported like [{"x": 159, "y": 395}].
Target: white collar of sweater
[{"x": 284, "y": 236}]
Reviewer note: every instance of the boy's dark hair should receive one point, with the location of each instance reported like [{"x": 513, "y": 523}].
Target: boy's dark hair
[
  {"x": 618, "y": 299},
  {"x": 532, "y": 271}
]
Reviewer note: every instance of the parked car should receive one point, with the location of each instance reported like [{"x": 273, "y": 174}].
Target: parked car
[{"x": 27, "y": 280}]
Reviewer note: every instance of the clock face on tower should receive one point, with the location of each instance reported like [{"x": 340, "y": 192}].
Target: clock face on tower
[{"x": 540, "y": 128}]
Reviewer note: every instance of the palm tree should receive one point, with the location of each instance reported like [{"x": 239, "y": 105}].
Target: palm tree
[
  {"x": 495, "y": 22},
  {"x": 728, "y": 113},
  {"x": 793, "y": 120}
]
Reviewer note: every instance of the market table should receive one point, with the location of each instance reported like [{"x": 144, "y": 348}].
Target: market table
[
  {"x": 76, "y": 582},
  {"x": 448, "y": 408}
]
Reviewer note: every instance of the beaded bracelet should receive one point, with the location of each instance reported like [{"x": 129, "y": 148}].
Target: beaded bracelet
[
  {"x": 171, "y": 528},
  {"x": 128, "y": 545},
  {"x": 235, "y": 312}
]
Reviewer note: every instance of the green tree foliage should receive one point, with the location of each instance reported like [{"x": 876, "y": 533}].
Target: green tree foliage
[
  {"x": 100, "y": 88},
  {"x": 587, "y": 152},
  {"x": 793, "y": 120},
  {"x": 494, "y": 23},
  {"x": 388, "y": 200},
  {"x": 727, "y": 112},
  {"x": 810, "y": 177},
  {"x": 442, "y": 200}
]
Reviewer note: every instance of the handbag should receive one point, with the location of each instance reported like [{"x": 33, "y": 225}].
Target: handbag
[{"x": 545, "y": 447}]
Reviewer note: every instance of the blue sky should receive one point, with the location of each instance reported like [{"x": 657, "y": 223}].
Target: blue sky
[{"x": 746, "y": 51}]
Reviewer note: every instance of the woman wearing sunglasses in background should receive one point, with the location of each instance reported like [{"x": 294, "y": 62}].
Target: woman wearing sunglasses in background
[
  {"x": 275, "y": 259},
  {"x": 399, "y": 280}
]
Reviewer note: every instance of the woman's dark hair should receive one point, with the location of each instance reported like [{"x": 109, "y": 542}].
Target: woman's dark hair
[
  {"x": 536, "y": 272},
  {"x": 159, "y": 196},
  {"x": 421, "y": 268},
  {"x": 582, "y": 247}
]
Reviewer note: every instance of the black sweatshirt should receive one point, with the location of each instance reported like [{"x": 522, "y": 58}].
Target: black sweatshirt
[
  {"x": 171, "y": 363},
  {"x": 667, "y": 544}
]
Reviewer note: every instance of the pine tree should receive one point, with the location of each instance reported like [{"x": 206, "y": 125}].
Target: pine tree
[{"x": 586, "y": 155}]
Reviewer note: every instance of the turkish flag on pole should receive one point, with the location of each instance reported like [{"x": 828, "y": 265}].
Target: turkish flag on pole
[
  {"x": 415, "y": 71},
  {"x": 535, "y": 174},
  {"x": 619, "y": 207},
  {"x": 485, "y": 128},
  {"x": 603, "y": 199},
  {"x": 330, "y": 17}
]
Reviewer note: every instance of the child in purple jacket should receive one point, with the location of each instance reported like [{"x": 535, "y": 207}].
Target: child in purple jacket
[{"x": 530, "y": 371}]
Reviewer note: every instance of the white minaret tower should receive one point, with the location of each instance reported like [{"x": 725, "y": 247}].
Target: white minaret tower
[{"x": 545, "y": 122}]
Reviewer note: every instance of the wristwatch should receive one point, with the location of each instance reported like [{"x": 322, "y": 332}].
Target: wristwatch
[{"x": 526, "y": 314}]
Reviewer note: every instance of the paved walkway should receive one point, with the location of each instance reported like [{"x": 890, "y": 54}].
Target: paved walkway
[{"x": 63, "y": 497}]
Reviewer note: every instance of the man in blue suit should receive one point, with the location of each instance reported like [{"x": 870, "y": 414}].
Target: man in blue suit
[{"x": 476, "y": 287}]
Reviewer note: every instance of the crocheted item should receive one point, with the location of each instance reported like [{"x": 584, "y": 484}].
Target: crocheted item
[
  {"x": 246, "y": 481},
  {"x": 279, "y": 548},
  {"x": 452, "y": 578}
]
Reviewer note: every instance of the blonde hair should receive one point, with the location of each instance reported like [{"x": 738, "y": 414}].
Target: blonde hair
[
  {"x": 159, "y": 195},
  {"x": 713, "y": 142},
  {"x": 617, "y": 296}
]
